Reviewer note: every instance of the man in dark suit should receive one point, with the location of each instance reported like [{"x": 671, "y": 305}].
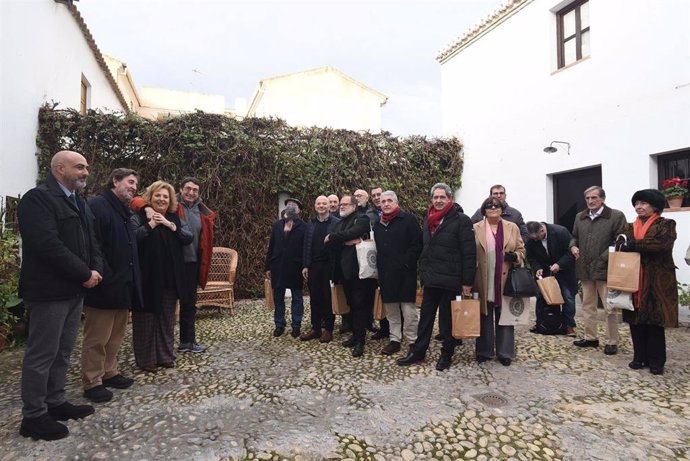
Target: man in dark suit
[
  {"x": 549, "y": 254},
  {"x": 61, "y": 260}
]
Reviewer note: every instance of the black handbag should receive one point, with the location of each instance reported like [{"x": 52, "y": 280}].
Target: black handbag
[{"x": 520, "y": 284}]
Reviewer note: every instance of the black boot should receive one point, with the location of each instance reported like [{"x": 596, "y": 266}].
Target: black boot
[
  {"x": 358, "y": 349},
  {"x": 412, "y": 357}
]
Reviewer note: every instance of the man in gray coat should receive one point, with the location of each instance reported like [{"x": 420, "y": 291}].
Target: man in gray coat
[
  {"x": 509, "y": 213},
  {"x": 594, "y": 231}
]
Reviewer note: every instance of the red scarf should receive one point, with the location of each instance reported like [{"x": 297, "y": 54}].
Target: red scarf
[
  {"x": 386, "y": 218},
  {"x": 434, "y": 217},
  {"x": 639, "y": 231}
]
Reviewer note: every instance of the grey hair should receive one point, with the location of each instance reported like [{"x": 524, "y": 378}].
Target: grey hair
[
  {"x": 390, "y": 193},
  {"x": 441, "y": 185},
  {"x": 601, "y": 192}
]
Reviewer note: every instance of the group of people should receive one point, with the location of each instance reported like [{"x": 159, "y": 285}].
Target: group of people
[
  {"x": 115, "y": 254},
  {"x": 120, "y": 253},
  {"x": 454, "y": 255}
]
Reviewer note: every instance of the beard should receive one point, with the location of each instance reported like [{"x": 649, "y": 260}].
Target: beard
[{"x": 80, "y": 184}]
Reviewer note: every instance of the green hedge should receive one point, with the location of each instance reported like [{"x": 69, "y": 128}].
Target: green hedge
[{"x": 244, "y": 165}]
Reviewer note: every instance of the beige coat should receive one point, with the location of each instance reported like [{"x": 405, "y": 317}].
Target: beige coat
[{"x": 512, "y": 241}]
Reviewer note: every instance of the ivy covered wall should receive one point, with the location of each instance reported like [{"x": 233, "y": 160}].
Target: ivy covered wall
[{"x": 244, "y": 165}]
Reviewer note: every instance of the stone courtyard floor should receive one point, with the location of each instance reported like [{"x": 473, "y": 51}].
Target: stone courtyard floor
[{"x": 255, "y": 397}]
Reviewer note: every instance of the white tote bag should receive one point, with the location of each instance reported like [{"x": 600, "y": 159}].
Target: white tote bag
[
  {"x": 366, "y": 257},
  {"x": 616, "y": 299},
  {"x": 514, "y": 311}
]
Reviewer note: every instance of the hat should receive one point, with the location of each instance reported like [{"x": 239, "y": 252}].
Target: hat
[
  {"x": 291, "y": 199},
  {"x": 651, "y": 196}
]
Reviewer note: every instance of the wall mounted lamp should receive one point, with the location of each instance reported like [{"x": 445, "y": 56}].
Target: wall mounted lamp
[{"x": 550, "y": 149}]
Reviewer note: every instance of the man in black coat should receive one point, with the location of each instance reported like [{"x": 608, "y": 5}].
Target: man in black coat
[
  {"x": 447, "y": 266},
  {"x": 548, "y": 253},
  {"x": 61, "y": 260},
  {"x": 398, "y": 245},
  {"x": 107, "y": 305},
  {"x": 284, "y": 266},
  {"x": 317, "y": 271},
  {"x": 359, "y": 292}
]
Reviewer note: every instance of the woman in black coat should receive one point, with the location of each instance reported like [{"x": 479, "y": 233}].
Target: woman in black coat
[
  {"x": 398, "y": 245},
  {"x": 160, "y": 235}
]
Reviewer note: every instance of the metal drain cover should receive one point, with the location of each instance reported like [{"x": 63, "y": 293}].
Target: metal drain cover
[{"x": 491, "y": 399}]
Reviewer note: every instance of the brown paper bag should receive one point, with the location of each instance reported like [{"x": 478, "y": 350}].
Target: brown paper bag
[
  {"x": 268, "y": 294},
  {"x": 624, "y": 271},
  {"x": 465, "y": 316},
  {"x": 419, "y": 297},
  {"x": 379, "y": 309},
  {"x": 338, "y": 300},
  {"x": 550, "y": 290}
]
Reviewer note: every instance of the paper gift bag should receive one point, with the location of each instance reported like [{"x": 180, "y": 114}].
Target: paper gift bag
[
  {"x": 465, "y": 318},
  {"x": 623, "y": 271},
  {"x": 550, "y": 290},
  {"x": 379, "y": 309},
  {"x": 419, "y": 297},
  {"x": 268, "y": 294},
  {"x": 514, "y": 311},
  {"x": 338, "y": 300},
  {"x": 616, "y": 299}
]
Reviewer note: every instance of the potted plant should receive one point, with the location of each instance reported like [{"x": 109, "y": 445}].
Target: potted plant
[{"x": 674, "y": 189}]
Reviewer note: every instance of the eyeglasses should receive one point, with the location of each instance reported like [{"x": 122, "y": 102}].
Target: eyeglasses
[{"x": 491, "y": 206}]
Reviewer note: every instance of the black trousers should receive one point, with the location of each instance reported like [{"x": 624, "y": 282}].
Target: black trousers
[
  {"x": 320, "y": 296},
  {"x": 435, "y": 298},
  {"x": 188, "y": 303},
  {"x": 649, "y": 345},
  {"x": 360, "y": 297}
]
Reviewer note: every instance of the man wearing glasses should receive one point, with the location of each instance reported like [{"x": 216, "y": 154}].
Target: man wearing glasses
[
  {"x": 509, "y": 213},
  {"x": 359, "y": 293}
]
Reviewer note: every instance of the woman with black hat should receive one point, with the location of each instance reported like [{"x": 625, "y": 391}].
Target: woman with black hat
[{"x": 656, "y": 302}]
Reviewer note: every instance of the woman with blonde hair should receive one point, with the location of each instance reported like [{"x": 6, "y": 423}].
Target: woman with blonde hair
[
  {"x": 161, "y": 236},
  {"x": 499, "y": 247}
]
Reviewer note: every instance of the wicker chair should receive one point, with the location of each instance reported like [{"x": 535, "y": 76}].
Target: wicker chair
[{"x": 219, "y": 289}]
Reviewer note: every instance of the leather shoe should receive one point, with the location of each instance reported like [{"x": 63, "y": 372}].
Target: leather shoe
[
  {"x": 118, "y": 382},
  {"x": 151, "y": 369},
  {"x": 43, "y": 427},
  {"x": 381, "y": 334},
  {"x": 358, "y": 350},
  {"x": 438, "y": 337},
  {"x": 482, "y": 359},
  {"x": 66, "y": 411},
  {"x": 98, "y": 394},
  {"x": 350, "y": 342},
  {"x": 635, "y": 365},
  {"x": 570, "y": 331},
  {"x": 391, "y": 348},
  {"x": 505, "y": 362},
  {"x": 309, "y": 335},
  {"x": 656, "y": 370},
  {"x": 167, "y": 365},
  {"x": 443, "y": 363},
  {"x": 586, "y": 343},
  {"x": 295, "y": 333},
  {"x": 326, "y": 336},
  {"x": 278, "y": 331},
  {"x": 610, "y": 349},
  {"x": 410, "y": 359}
]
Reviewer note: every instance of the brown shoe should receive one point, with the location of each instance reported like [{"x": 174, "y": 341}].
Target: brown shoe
[
  {"x": 326, "y": 336},
  {"x": 570, "y": 331},
  {"x": 309, "y": 335},
  {"x": 391, "y": 348}
]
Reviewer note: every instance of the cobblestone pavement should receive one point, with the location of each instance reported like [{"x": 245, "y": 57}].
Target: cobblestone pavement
[{"x": 252, "y": 396}]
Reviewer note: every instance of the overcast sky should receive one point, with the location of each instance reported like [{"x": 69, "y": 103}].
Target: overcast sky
[{"x": 226, "y": 47}]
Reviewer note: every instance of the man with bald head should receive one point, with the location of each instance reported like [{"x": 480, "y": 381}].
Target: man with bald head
[
  {"x": 334, "y": 205},
  {"x": 316, "y": 271},
  {"x": 61, "y": 260}
]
